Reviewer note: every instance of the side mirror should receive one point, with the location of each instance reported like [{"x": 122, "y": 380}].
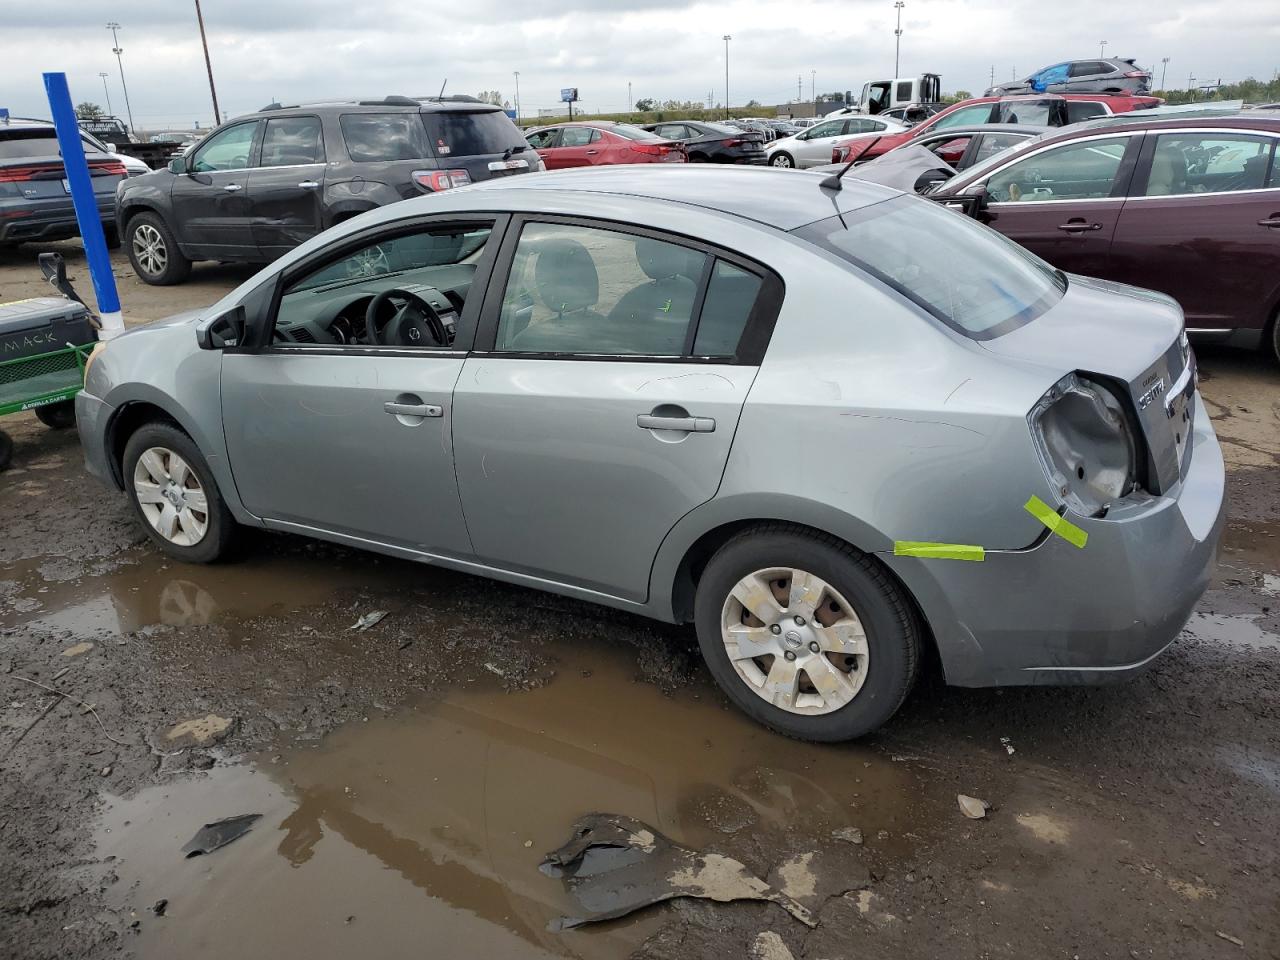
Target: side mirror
[
  {"x": 111, "y": 147},
  {"x": 224, "y": 331},
  {"x": 178, "y": 165}
]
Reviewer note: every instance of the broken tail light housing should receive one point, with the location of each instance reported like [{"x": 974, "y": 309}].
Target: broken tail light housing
[
  {"x": 1088, "y": 444},
  {"x": 437, "y": 180}
]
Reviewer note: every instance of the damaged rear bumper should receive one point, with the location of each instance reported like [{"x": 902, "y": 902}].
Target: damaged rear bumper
[{"x": 1054, "y": 613}]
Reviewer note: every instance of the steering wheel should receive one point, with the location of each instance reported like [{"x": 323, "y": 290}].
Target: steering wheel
[{"x": 414, "y": 324}]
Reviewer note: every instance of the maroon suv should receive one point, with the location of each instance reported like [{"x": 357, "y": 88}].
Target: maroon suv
[{"x": 1189, "y": 207}]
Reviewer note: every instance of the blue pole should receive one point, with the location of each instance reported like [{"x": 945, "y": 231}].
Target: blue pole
[{"x": 86, "y": 204}]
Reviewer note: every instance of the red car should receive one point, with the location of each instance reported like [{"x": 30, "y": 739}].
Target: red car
[
  {"x": 589, "y": 143},
  {"x": 1189, "y": 207},
  {"x": 1041, "y": 109}
]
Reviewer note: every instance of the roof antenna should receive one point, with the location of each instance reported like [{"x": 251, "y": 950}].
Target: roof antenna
[
  {"x": 833, "y": 182},
  {"x": 440, "y": 95}
]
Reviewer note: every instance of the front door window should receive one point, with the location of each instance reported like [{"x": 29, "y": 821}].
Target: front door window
[
  {"x": 1081, "y": 170},
  {"x": 227, "y": 149}
]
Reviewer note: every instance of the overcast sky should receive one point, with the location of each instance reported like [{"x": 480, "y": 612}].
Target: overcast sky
[{"x": 289, "y": 50}]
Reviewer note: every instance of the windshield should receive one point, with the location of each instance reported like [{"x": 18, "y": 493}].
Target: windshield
[
  {"x": 966, "y": 275},
  {"x": 29, "y": 143},
  {"x": 457, "y": 133},
  {"x": 632, "y": 133}
]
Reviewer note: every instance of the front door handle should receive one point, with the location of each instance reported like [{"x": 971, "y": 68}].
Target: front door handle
[
  {"x": 592, "y": 153},
  {"x": 1078, "y": 226},
  {"x": 232, "y": 187},
  {"x": 1272, "y": 221},
  {"x": 647, "y": 421},
  {"x": 413, "y": 409},
  {"x": 308, "y": 184}
]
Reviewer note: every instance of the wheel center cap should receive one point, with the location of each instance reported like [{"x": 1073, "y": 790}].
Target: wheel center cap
[{"x": 792, "y": 639}]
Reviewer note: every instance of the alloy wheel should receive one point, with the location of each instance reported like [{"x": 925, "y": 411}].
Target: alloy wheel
[
  {"x": 794, "y": 640},
  {"x": 149, "y": 249},
  {"x": 781, "y": 160},
  {"x": 171, "y": 496}
]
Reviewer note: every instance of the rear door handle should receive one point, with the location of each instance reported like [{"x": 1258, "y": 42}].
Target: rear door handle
[
  {"x": 1272, "y": 221},
  {"x": 413, "y": 409},
  {"x": 232, "y": 187},
  {"x": 1078, "y": 226},
  {"x": 647, "y": 421},
  {"x": 308, "y": 184}
]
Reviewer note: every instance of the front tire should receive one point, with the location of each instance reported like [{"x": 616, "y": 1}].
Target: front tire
[
  {"x": 58, "y": 416},
  {"x": 154, "y": 252},
  {"x": 805, "y": 634},
  {"x": 174, "y": 494},
  {"x": 1274, "y": 340},
  {"x": 783, "y": 160}
]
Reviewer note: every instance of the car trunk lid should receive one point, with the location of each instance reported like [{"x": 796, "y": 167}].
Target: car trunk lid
[
  {"x": 484, "y": 143},
  {"x": 44, "y": 178},
  {"x": 1137, "y": 349}
]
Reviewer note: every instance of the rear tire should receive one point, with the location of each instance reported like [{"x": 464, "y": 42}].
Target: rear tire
[
  {"x": 154, "y": 252},
  {"x": 783, "y": 160},
  {"x": 849, "y": 647},
  {"x": 174, "y": 496},
  {"x": 6, "y": 449},
  {"x": 1274, "y": 339},
  {"x": 57, "y": 416}
]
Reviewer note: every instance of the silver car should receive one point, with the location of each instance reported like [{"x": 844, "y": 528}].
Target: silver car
[
  {"x": 840, "y": 431},
  {"x": 1104, "y": 75}
]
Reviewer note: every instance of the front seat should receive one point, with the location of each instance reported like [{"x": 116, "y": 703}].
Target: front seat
[
  {"x": 1168, "y": 173},
  {"x": 567, "y": 284},
  {"x": 654, "y": 317}
]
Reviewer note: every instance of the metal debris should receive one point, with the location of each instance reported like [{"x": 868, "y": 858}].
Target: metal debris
[
  {"x": 1229, "y": 938},
  {"x": 219, "y": 833},
  {"x": 614, "y": 865},
  {"x": 972, "y": 807},
  {"x": 370, "y": 619}
]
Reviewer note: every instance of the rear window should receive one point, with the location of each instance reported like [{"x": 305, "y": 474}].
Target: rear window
[
  {"x": 632, "y": 133},
  {"x": 471, "y": 134},
  {"x": 26, "y": 144},
  {"x": 371, "y": 137},
  {"x": 969, "y": 277}
]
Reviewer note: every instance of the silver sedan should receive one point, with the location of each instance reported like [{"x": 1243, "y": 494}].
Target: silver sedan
[{"x": 838, "y": 429}]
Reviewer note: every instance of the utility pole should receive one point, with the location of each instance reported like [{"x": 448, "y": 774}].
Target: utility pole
[
  {"x": 813, "y": 87},
  {"x": 897, "y": 37},
  {"x": 799, "y": 88},
  {"x": 1164, "y": 68},
  {"x": 1102, "y": 48},
  {"x": 207, "y": 65},
  {"x": 116, "y": 49},
  {"x": 993, "y": 77},
  {"x": 727, "y": 38},
  {"x": 517, "y": 73},
  {"x": 107, "y": 92},
  {"x": 629, "y": 108}
]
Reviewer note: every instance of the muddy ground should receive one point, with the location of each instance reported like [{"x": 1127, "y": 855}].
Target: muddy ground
[{"x": 410, "y": 776}]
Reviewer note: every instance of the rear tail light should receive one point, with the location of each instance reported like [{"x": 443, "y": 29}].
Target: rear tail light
[
  {"x": 839, "y": 154},
  {"x": 1138, "y": 75},
  {"x": 108, "y": 168},
  {"x": 1087, "y": 444},
  {"x": 112, "y": 168},
  {"x": 437, "y": 180},
  {"x": 732, "y": 142},
  {"x": 651, "y": 149}
]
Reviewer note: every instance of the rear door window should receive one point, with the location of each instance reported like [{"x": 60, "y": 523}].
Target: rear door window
[
  {"x": 578, "y": 136},
  {"x": 1208, "y": 163},
  {"x": 1088, "y": 68},
  {"x": 292, "y": 141},
  {"x": 1078, "y": 110},
  {"x": 1080, "y": 170},
  {"x": 731, "y": 295},
  {"x": 374, "y": 137},
  {"x": 471, "y": 133}
]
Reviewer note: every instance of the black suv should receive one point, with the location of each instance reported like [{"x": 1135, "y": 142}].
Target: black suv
[{"x": 261, "y": 184}]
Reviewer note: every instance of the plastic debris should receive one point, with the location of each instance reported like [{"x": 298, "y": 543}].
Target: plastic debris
[
  {"x": 1008, "y": 745},
  {"x": 370, "y": 619},
  {"x": 972, "y": 807},
  {"x": 615, "y": 865},
  {"x": 848, "y": 835},
  {"x": 1229, "y": 938},
  {"x": 202, "y": 730},
  {"x": 219, "y": 833}
]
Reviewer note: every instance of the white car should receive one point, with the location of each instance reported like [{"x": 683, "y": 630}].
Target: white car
[{"x": 812, "y": 147}]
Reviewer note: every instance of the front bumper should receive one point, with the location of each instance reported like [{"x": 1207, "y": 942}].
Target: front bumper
[
  {"x": 1054, "y": 613},
  {"x": 92, "y": 418}
]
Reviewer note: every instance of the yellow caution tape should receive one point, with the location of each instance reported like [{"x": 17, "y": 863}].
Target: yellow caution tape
[
  {"x": 938, "y": 551},
  {"x": 1064, "y": 528}
]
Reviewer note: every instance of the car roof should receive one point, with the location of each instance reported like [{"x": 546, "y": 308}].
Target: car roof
[
  {"x": 463, "y": 104},
  {"x": 1136, "y": 121},
  {"x": 783, "y": 199}
]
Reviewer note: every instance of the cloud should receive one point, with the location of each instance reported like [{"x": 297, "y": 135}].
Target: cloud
[{"x": 297, "y": 50}]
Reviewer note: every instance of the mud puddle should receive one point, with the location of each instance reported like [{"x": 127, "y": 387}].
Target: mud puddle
[
  {"x": 140, "y": 588},
  {"x": 1250, "y": 554},
  {"x": 421, "y": 834}
]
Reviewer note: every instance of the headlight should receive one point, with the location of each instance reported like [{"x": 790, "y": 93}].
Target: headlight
[{"x": 1087, "y": 444}]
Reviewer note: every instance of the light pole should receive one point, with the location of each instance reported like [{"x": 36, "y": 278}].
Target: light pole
[
  {"x": 1164, "y": 68},
  {"x": 629, "y": 107},
  {"x": 727, "y": 38},
  {"x": 104, "y": 76},
  {"x": 116, "y": 49},
  {"x": 897, "y": 37},
  {"x": 207, "y": 65},
  {"x": 813, "y": 88},
  {"x": 1102, "y": 48},
  {"x": 517, "y": 73}
]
